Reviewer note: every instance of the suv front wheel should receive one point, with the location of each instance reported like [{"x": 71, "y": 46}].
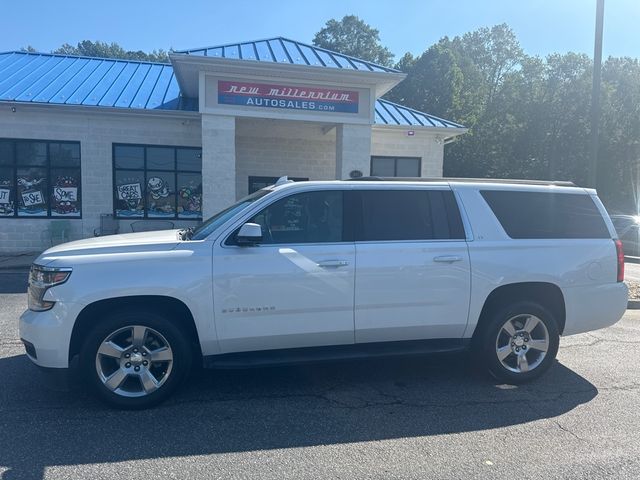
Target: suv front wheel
[
  {"x": 135, "y": 359},
  {"x": 520, "y": 342}
]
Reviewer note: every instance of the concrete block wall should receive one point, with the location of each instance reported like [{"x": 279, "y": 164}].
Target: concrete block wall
[
  {"x": 353, "y": 150},
  {"x": 96, "y": 132},
  {"x": 275, "y": 147},
  {"x": 308, "y": 150},
  {"x": 218, "y": 163}
]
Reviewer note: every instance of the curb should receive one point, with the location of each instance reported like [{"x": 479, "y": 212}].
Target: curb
[
  {"x": 630, "y": 259},
  {"x": 633, "y": 305},
  {"x": 18, "y": 261},
  {"x": 15, "y": 266}
]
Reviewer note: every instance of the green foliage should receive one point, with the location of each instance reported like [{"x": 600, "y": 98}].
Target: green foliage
[
  {"x": 111, "y": 50},
  {"x": 352, "y": 36},
  {"x": 406, "y": 63},
  {"x": 529, "y": 117}
]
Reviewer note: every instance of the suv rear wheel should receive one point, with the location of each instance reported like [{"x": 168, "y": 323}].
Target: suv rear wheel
[
  {"x": 520, "y": 342},
  {"x": 135, "y": 359}
]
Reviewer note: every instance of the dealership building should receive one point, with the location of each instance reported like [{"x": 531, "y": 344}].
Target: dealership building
[{"x": 91, "y": 144}]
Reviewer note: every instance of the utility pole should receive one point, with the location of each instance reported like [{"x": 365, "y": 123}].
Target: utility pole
[{"x": 595, "y": 94}]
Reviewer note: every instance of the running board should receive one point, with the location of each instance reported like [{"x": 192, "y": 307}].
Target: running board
[{"x": 296, "y": 356}]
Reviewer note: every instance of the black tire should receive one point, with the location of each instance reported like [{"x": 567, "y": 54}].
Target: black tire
[
  {"x": 121, "y": 319},
  {"x": 487, "y": 347}
]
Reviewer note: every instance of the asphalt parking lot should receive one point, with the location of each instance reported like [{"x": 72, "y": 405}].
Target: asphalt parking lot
[{"x": 410, "y": 418}]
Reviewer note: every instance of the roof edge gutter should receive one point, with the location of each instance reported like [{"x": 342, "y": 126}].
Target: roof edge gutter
[
  {"x": 187, "y": 114},
  {"x": 450, "y": 132}
]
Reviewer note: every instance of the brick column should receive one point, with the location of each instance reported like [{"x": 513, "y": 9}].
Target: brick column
[
  {"x": 218, "y": 163},
  {"x": 353, "y": 149}
]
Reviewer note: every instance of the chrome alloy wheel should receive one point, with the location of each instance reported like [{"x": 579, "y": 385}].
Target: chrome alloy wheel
[
  {"x": 134, "y": 361},
  {"x": 522, "y": 343}
]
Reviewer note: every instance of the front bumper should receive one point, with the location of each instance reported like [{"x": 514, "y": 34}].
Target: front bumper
[{"x": 49, "y": 334}]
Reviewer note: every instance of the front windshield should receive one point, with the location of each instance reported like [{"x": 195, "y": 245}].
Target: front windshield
[{"x": 204, "y": 230}]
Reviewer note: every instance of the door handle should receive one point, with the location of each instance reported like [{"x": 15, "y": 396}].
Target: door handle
[
  {"x": 333, "y": 263},
  {"x": 447, "y": 259}
]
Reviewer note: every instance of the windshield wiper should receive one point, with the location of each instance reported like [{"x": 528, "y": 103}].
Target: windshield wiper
[{"x": 185, "y": 233}]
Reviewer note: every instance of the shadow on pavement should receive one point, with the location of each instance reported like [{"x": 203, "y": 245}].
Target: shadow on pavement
[{"x": 247, "y": 410}]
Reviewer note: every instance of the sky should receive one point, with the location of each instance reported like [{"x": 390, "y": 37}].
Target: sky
[{"x": 542, "y": 26}]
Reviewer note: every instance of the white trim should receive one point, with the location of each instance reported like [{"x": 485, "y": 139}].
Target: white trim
[
  {"x": 446, "y": 131},
  {"x": 383, "y": 81},
  {"x": 96, "y": 109}
]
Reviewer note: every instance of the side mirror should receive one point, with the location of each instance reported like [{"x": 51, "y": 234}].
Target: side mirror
[{"x": 249, "y": 234}]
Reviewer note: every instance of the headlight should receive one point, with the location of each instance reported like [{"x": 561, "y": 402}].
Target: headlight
[{"x": 40, "y": 280}]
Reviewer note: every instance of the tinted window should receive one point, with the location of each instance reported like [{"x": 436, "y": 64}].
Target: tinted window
[
  {"x": 39, "y": 179},
  {"x": 64, "y": 154},
  {"x": 6, "y": 153},
  {"x": 189, "y": 159},
  {"x": 160, "y": 158},
  {"x": 409, "y": 215},
  {"x": 395, "y": 166},
  {"x": 311, "y": 217},
  {"x": 204, "y": 230},
  {"x": 125, "y": 156},
  {"x": 546, "y": 215},
  {"x": 157, "y": 182}
]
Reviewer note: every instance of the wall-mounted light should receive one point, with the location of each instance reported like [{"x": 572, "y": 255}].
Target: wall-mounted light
[{"x": 13, "y": 109}]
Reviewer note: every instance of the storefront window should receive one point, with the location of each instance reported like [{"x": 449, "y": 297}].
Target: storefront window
[
  {"x": 395, "y": 166},
  {"x": 157, "y": 182},
  {"x": 39, "y": 179}
]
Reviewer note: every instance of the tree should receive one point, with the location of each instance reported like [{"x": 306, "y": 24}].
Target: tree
[
  {"x": 619, "y": 152},
  {"x": 460, "y": 79},
  {"x": 352, "y": 36},
  {"x": 406, "y": 63},
  {"x": 496, "y": 51},
  {"x": 440, "y": 82},
  {"x": 111, "y": 50}
]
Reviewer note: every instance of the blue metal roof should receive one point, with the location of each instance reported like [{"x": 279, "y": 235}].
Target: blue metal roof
[
  {"x": 46, "y": 78},
  {"x": 284, "y": 50},
  {"x": 389, "y": 113},
  {"x": 72, "y": 80}
]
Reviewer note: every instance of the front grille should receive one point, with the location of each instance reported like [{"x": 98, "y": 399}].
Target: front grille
[{"x": 31, "y": 350}]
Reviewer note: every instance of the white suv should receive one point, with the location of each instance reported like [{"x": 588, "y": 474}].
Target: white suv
[{"x": 316, "y": 270}]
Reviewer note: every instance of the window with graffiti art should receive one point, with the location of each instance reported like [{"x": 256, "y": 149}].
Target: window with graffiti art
[
  {"x": 39, "y": 179},
  {"x": 157, "y": 182}
]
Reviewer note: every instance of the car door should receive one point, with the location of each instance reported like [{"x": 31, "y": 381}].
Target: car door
[
  {"x": 295, "y": 288},
  {"x": 413, "y": 274}
]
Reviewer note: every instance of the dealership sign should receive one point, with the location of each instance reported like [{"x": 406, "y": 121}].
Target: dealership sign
[{"x": 287, "y": 97}]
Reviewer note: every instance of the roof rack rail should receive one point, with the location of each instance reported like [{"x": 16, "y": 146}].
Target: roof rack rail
[{"x": 558, "y": 183}]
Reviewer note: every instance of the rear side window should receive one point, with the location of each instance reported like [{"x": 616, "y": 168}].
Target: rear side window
[
  {"x": 388, "y": 215},
  {"x": 546, "y": 215}
]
